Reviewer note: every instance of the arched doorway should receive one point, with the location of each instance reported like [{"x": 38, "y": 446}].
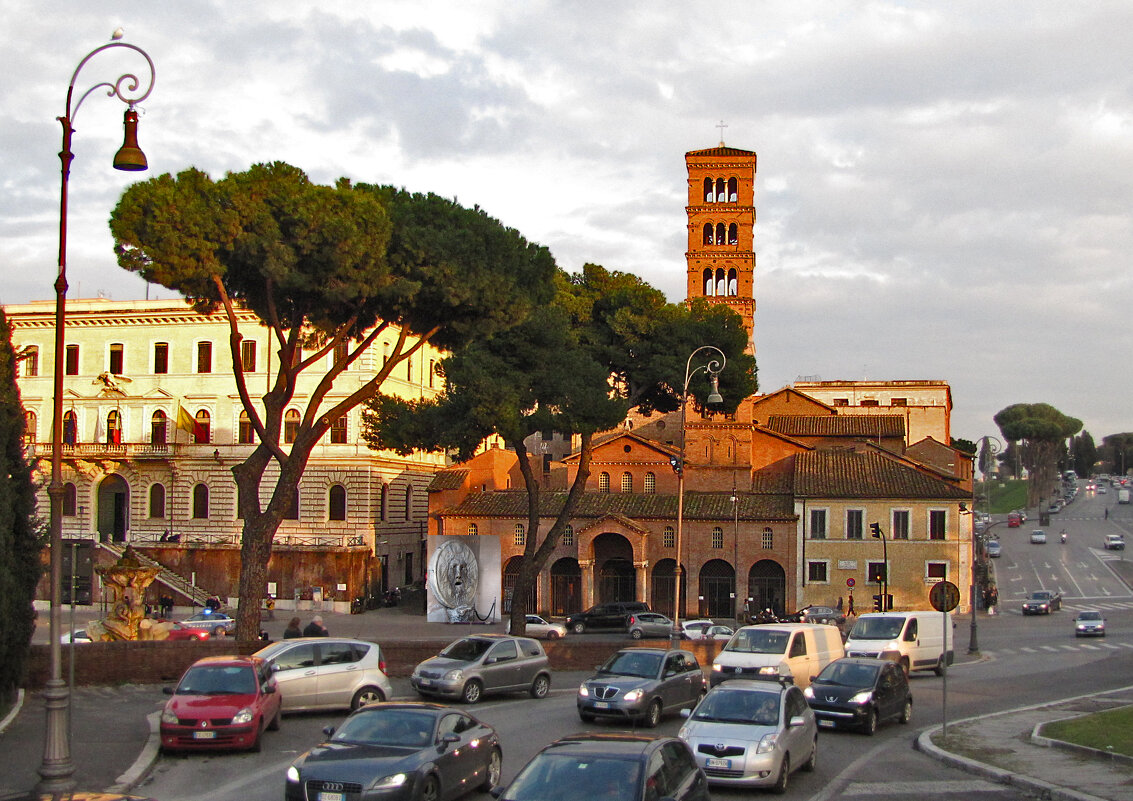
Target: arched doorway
[
  {"x": 718, "y": 589},
  {"x": 511, "y": 575},
  {"x": 613, "y": 569},
  {"x": 566, "y": 586},
  {"x": 767, "y": 586},
  {"x": 113, "y": 509},
  {"x": 662, "y": 587}
]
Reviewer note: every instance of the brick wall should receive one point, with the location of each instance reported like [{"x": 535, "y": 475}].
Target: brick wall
[{"x": 164, "y": 662}]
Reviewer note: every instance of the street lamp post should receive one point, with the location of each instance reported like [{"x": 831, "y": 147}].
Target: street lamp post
[
  {"x": 57, "y": 768},
  {"x": 712, "y": 368},
  {"x": 991, "y": 446}
]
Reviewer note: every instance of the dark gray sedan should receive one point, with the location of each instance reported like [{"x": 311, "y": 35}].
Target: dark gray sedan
[
  {"x": 399, "y": 752},
  {"x": 642, "y": 683}
]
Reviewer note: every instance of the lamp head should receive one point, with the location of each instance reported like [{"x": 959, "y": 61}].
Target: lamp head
[
  {"x": 714, "y": 398},
  {"x": 130, "y": 157}
]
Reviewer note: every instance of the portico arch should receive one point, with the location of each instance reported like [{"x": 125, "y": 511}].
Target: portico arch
[
  {"x": 566, "y": 586},
  {"x": 767, "y": 585},
  {"x": 717, "y": 589},
  {"x": 511, "y": 575}
]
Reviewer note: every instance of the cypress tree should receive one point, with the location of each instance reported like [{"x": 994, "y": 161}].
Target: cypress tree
[{"x": 22, "y": 534}]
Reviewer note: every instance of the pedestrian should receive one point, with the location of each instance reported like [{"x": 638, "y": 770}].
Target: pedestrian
[
  {"x": 212, "y": 604},
  {"x": 292, "y": 629},
  {"x": 316, "y": 628},
  {"x": 1107, "y": 513},
  {"x": 269, "y": 604},
  {"x": 850, "y": 607}
]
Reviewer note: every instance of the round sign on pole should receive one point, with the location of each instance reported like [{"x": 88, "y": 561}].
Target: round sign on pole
[
  {"x": 944, "y": 596},
  {"x": 850, "y": 583}
]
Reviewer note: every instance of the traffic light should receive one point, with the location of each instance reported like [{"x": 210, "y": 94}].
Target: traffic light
[
  {"x": 877, "y": 604},
  {"x": 875, "y": 530},
  {"x": 677, "y": 465}
]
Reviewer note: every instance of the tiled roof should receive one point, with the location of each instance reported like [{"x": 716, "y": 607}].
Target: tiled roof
[
  {"x": 448, "y": 480},
  {"x": 632, "y": 505},
  {"x": 721, "y": 151},
  {"x": 848, "y": 425},
  {"x": 846, "y": 474}
]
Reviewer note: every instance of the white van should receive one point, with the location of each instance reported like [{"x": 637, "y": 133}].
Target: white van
[
  {"x": 915, "y": 640},
  {"x": 792, "y": 651}
]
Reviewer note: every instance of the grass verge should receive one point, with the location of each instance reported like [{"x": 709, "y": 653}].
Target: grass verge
[{"x": 1105, "y": 731}]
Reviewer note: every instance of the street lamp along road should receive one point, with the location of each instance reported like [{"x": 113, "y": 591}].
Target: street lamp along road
[
  {"x": 712, "y": 368},
  {"x": 57, "y": 768},
  {"x": 992, "y": 446}
]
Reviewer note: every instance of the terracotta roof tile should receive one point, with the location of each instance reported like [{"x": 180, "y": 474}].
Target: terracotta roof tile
[
  {"x": 846, "y": 474},
  {"x": 631, "y": 505},
  {"x": 447, "y": 480},
  {"x": 848, "y": 425}
]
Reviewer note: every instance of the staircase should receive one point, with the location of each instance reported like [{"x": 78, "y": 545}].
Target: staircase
[{"x": 166, "y": 577}]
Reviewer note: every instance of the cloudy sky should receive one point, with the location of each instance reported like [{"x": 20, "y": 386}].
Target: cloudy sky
[{"x": 944, "y": 190}]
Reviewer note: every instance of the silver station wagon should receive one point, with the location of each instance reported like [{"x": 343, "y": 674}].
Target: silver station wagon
[{"x": 486, "y": 663}]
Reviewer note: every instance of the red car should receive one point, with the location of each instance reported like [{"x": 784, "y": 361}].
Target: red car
[
  {"x": 179, "y": 632},
  {"x": 222, "y": 702},
  {"x": 1014, "y": 520}
]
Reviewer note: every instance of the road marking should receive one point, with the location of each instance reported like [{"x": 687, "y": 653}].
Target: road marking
[
  {"x": 1028, "y": 650},
  {"x": 1048, "y": 648},
  {"x": 1089, "y": 647}
]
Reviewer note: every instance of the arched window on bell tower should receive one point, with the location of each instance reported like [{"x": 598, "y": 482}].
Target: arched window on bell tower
[
  {"x": 709, "y": 283},
  {"x": 720, "y": 234},
  {"x": 708, "y": 234},
  {"x": 733, "y": 286},
  {"x": 733, "y": 195},
  {"x": 709, "y": 193},
  {"x": 720, "y": 196},
  {"x": 733, "y": 234},
  {"x": 721, "y": 287}
]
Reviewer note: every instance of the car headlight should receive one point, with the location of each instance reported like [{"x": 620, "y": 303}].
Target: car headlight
[
  {"x": 808, "y": 692},
  {"x": 893, "y": 646},
  {"x": 634, "y": 695},
  {"x": 454, "y": 675},
  {"x": 385, "y": 782},
  {"x": 863, "y": 697},
  {"x": 169, "y": 716},
  {"x": 293, "y": 774},
  {"x": 767, "y": 743},
  {"x": 245, "y": 715},
  {"x": 769, "y": 670},
  {"x": 583, "y": 692},
  {"x": 716, "y": 668}
]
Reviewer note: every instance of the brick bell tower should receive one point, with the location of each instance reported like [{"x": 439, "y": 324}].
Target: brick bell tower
[{"x": 721, "y": 229}]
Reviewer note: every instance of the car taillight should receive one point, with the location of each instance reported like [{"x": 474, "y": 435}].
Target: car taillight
[
  {"x": 382, "y": 665},
  {"x": 631, "y": 620}
]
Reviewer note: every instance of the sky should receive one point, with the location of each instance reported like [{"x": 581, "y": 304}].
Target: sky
[{"x": 944, "y": 190}]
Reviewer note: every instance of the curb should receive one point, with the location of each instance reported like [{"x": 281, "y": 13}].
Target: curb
[
  {"x": 1049, "y": 742},
  {"x": 136, "y": 772},
  {"x": 15, "y": 710}
]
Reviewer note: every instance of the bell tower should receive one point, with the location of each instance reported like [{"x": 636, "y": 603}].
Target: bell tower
[{"x": 721, "y": 229}]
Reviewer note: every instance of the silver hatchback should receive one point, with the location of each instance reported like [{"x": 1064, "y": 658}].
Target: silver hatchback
[
  {"x": 327, "y": 673},
  {"x": 485, "y": 663}
]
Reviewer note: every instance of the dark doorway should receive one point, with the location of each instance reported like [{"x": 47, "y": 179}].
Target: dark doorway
[
  {"x": 717, "y": 588},
  {"x": 767, "y": 585},
  {"x": 113, "y": 509},
  {"x": 662, "y": 591},
  {"x": 613, "y": 568},
  {"x": 511, "y": 575},
  {"x": 566, "y": 587}
]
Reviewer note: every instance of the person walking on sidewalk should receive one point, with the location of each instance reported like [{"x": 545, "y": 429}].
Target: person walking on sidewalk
[
  {"x": 292, "y": 629},
  {"x": 316, "y": 628}
]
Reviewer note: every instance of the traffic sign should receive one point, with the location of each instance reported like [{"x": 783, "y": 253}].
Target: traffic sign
[
  {"x": 850, "y": 583},
  {"x": 944, "y": 596}
]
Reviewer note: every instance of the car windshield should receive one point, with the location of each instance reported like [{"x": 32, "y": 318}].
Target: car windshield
[
  {"x": 1089, "y": 615},
  {"x": 751, "y": 707},
  {"x": 1040, "y": 596},
  {"x": 467, "y": 650},
  {"x": 877, "y": 628},
  {"x": 559, "y": 775},
  {"x": 378, "y": 726},
  {"x": 631, "y": 663},
  {"x": 758, "y": 641},
  {"x": 849, "y": 675},
  {"x": 218, "y": 680}
]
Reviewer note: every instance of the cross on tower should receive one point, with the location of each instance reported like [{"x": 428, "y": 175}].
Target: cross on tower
[{"x": 721, "y": 125}]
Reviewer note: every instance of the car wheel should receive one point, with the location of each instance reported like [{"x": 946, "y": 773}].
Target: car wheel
[
  {"x": 870, "y": 725},
  {"x": 471, "y": 692},
  {"x": 635, "y": 634},
  {"x": 552, "y": 635},
  {"x": 494, "y": 770},
  {"x": 906, "y": 711},
  {"x": 274, "y": 725},
  {"x": 653, "y": 715},
  {"x": 905, "y": 666},
  {"x": 430, "y": 789},
  {"x": 219, "y": 632},
  {"x": 578, "y": 628},
  {"x": 585, "y": 717},
  {"x": 939, "y": 669},
  {"x": 366, "y": 696},
  {"x": 812, "y": 763},
  {"x": 780, "y": 785},
  {"x": 258, "y": 743},
  {"x": 541, "y": 686}
]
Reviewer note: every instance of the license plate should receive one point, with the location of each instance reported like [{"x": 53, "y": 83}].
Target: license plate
[
  {"x": 331, "y": 796},
  {"x": 424, "y": 683},
  {"x": 826, "y": 724},
  {"x": 204, "y": 735},
  {"x": 724, "y": 764},
  {"x": 601, "y": 705}
]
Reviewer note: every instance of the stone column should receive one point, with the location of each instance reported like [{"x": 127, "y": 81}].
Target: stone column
[{"x": 587, "y": 568}]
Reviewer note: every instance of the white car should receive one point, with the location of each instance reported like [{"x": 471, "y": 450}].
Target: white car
[
  {"x": 541, "y": 628},
  {"x": 694, "y": 629},
  {"x": 1038, "y": 537}
]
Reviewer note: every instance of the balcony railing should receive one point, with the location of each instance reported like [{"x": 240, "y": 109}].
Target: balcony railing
[
  {"x": 191, "y": 539},
  {"x": 129, "y": 450}
]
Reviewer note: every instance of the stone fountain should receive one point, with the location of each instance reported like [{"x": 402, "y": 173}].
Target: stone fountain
[{"x": 126, "y": 581}]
